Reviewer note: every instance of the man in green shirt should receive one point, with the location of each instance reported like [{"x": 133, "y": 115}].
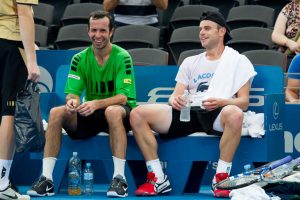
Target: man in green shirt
[{"x": 104, "y": 72}]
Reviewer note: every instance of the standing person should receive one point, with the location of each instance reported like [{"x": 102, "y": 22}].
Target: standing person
[
  {"x": 227, "y": 75},
  {"x": 293, "y": 81},
  {"x": 19, "y": 63},
  {"x": 137, "y": 12},
  {"x": 105, "y": 72}
]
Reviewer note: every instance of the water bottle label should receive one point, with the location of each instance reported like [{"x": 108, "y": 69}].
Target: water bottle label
[
  {"x": 88, "y": 176},
  {"x": 74, "y": 178}
]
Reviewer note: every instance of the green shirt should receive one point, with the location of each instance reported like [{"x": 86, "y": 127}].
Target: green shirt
[{"x": 115, "y": 77}]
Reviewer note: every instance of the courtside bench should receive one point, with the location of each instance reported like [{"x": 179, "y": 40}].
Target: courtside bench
[{"x": 154, "y": 85}]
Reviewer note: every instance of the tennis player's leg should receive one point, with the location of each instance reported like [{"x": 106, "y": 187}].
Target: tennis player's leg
[
  {"x": 59, "y": 118},
  {"x": 143, "y": 120},
  {"x": 117, "y": 117},
  {"x": 230, "y": 120}
]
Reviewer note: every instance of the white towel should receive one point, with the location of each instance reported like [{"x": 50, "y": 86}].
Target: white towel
[
  {"x": 233, "y": 71},
  {"x": 253, "y": 124},
  {"x": 251, "y": 192}
]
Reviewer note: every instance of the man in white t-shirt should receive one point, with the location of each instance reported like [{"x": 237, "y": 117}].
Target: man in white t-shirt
[
  {"x": 213, "y": 115},
  {"x": 137, "y": 12}
]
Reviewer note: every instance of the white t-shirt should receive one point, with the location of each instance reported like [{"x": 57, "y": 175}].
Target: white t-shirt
[{"x": 196, "y": 73}]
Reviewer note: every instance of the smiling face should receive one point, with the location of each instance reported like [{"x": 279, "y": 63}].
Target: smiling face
[
  {"x": 99, "y": 32},
  {"x": 211, "y": 34}
]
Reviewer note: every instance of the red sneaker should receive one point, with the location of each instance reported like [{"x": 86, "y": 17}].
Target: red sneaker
[
  {"x": 217, "y": 192},
  {"x": 151, "y": 188}
]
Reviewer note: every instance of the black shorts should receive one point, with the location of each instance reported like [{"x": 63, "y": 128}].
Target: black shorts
[
  {"x": 13, "y": 75},
  {"x": 93, "y": 124},
  {"x": 201, "y": 121}
]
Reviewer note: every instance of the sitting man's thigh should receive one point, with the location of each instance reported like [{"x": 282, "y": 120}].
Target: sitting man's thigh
[{"x": 158, "y": 116}]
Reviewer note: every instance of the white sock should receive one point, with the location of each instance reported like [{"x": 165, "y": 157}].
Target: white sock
[
  {"x": 119, "y": 166},
  {"x": 223, "y": 167},
  {"x": 48, "y": 167},
  {"x": 4, "y": 173},
  {"x": 155, "y": 167}
]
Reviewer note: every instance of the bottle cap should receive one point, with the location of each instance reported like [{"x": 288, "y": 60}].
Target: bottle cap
[
  {"x": 88, "y": 165},
  {"x": 247, "y": 167},
  {"x": 75, "y": 153}
]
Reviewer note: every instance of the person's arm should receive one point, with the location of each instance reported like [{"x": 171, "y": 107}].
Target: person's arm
[
  {"x": 27, "y": 32},
  {"x": 292, "y": 90},
  {"x": 110, "y": 5},
  {"x": 161, "y": 4},
  {"x": 176, "y": 100},
  {"x": 241, "y": 100},
  {"x": 278, "y": 34}
]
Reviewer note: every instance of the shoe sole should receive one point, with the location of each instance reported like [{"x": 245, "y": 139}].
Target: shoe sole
[
  {"x": 114, "y": 194},
  {"x": 35, "y": 194},
  {"x": 154, "y": 194},
  {"x": 24, "y": 197}
]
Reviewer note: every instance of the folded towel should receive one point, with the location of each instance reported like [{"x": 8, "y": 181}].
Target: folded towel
[
  {"x": 253, "y": 123},
  {"x": 251, "y": 192}
]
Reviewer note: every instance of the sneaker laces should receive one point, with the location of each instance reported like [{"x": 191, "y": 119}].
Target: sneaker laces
[
  {"x": 116, "y": 182},
  {"x": 151, "y": 180},
  {"x": 37, "y": 182}
]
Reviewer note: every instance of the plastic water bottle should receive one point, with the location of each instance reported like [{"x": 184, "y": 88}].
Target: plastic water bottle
[
  {"x": 74, "y": 175},
  {"x": 88, "y": 179},
  {"x": 247, "y": 168},
  {"x": 185, "y": 111}
]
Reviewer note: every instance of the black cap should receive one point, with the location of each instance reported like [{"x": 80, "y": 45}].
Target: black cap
[{"x": 219, "y": 19}]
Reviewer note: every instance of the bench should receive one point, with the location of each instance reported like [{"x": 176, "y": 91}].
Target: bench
[{"x": 154, "y": 85}]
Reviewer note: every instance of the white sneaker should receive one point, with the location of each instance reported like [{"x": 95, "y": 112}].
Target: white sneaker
[{"x": 11, "y": 193}]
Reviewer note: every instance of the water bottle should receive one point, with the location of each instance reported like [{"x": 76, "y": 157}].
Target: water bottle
[
  {"x": 247, "y": 168},
  {"x": 88, "y": 179},
  {"x": 74, "y": 175},
  {"x": 185, "y": 111}
]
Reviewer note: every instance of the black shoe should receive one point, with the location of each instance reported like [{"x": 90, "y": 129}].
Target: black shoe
[
  {"x": 118, "y": 187},
  {"x": 11, "y": 193},
  {"x": 43, "y": 187}
]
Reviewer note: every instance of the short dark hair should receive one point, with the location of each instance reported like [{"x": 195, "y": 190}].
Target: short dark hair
[{"x": 100, "y": 15}]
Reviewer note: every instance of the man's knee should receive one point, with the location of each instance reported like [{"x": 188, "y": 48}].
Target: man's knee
[
  {"x": 57, "y": 114},
  {"x": 135, "y": 115},
  {"x": 232, "y": 115},
  {"x": 114, "y": 113}
]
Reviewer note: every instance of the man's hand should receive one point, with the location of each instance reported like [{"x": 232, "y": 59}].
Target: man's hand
[
  {"x": 178, "y": 102},
  {"x": 87, "y": 108},
  {"x": 211, "y": 103},
  {"x": 72, "y": 105},
  {"x": 33, "y": 72}
]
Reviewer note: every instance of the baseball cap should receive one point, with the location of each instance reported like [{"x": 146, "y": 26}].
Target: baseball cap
[{"x": 219, "y": 19}]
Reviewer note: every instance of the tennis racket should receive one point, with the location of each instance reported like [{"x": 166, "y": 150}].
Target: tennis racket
[
  {"x": 282, "y": 171},
  {"x": 252, "y": 176}
]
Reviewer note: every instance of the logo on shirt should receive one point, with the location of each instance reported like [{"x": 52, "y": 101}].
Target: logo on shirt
[
  {"x": 203, "y": 76},
  {"x": 73, "y": 76},
  {"x": 127, "y": 81},
  {"x": 203, "y": 86}
]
